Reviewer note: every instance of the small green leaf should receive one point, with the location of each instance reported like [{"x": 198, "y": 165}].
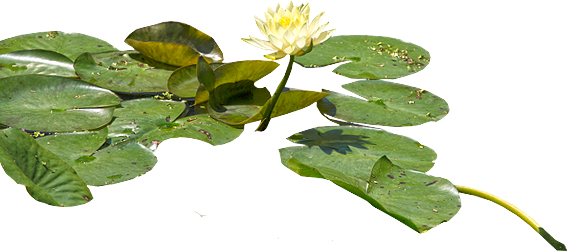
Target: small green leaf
[
  {"x": 205, "y": 74},
  {"x": 35, "y": 62},
  {"x": 183, "y": 82},
  {"x": 71, "y": 147}
]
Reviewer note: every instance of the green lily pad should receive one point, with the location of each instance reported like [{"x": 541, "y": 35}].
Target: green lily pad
[
  {"x": 137, "y": 117},
  {"x": 71, "y": 147},
  {"x": 192, "y": 188},
  {"x": 116, "y": 163},
  {"x": 239, "y": 75},
  {"x": 47, "y": 178},
  {"x": 54, "y": 104},
  {"x": 357, "y": 148},
  {"x": 175, "y": 44},
  {"x": 194, "y": 226},
  {"x": 368, "y": 57},
  {"x": 123, "y": 72},
  {"x": 183, "y": 82},
  {"x": 418, "y": 200},
  {"x": 69, "y": 44},
  {"x": 387, "y": 104},
  {"x": 35, "y": 62},
  {"x": 201, "y": 127},
  {"x": 104, "y": 224}
]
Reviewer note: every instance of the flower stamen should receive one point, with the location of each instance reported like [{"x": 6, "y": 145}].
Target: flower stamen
[{"x": 285, "y": 22}]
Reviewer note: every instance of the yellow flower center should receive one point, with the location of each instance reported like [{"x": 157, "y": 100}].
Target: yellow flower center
[{"x": 285, "y": 22}]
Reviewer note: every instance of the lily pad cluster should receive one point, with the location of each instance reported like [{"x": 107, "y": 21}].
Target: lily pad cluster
[{"x": 70, "y": 91}]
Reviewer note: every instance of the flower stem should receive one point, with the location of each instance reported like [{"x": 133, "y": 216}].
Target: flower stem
[{"x": 266, "y": 117}]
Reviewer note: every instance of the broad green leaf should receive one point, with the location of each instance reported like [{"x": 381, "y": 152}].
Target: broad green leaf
[
  {"x": 240, "y": 73},
  {"x": 183, "y": 82},
  {"x": 418, "y": 200},
  {"x": 175, "y": 44},
  {"x": 69, "y": 44},
  {"x": 54, "y": 104},
  {"x": 116, "y": 163},
  {"x": 47, "y": 178},
  {"x": 123, "y": 72},
  {"x": 151, "y": 121},
  {"x": 192, "y": 188},
  {"x": 139, "y": 116},
  {"x": 73, "y": 146},
  {"x": 357, "y": 148},
  {"x": 238, "y": 111},
  {"x": 368, "y": 57},
  {"x": 201, "y": 127},
  {"x": 194, "y": 226},
  {"x": 386, "y": 103},
  {"x": 205, "y": 74},
  {"x": 106, "y": 224},
  {"x": 35, "y": 62}
]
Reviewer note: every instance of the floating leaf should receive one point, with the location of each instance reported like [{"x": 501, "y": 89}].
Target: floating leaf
[
  {"x": 54, "y": 104},
  {"x": 124, "y": 72},
  {"x": 370, "y": 57},
  {"x": 137, "y": 117},
  {"x": 376, "y": 103},
  {"x": 69, "y": 44},
  {"x": 47, "y": 178},
  {"x": 35, "y": 62},
  {"x": 71, "y": 147},
  {"x": 175, "y": 44},
  {"x": 116, "y": 163}
]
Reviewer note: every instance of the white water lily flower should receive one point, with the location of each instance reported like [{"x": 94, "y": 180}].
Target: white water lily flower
[{"x": 288, "y": 31}]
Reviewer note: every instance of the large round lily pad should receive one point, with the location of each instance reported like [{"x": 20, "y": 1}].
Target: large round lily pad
[
  {"x": 174, "y": 43},
  {"x": 123, "y": 72},
  {"x": 35, "y": 62},
  {"x": 385, "y": 103},
  {"x": 69, "y": 44},
  {"x": 54, "y": 104},
  {"x": 367, "y": 57},
  {"x": 357, "y": 148}
]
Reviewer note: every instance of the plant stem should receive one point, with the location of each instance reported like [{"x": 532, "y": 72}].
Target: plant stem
[{"x": 266, "y": 117}]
